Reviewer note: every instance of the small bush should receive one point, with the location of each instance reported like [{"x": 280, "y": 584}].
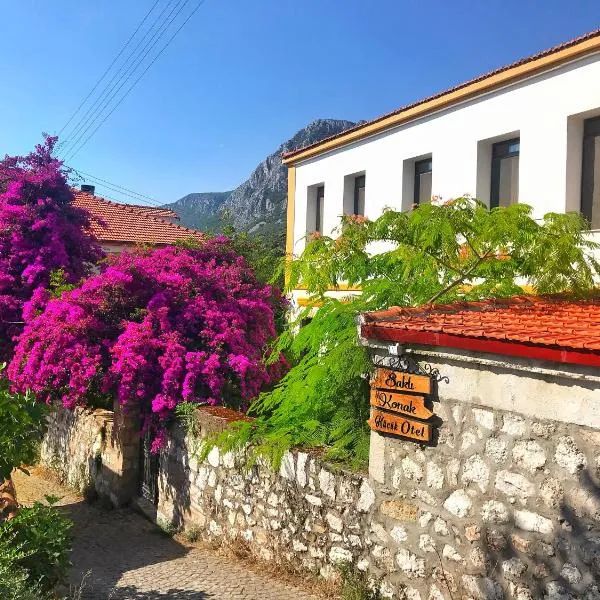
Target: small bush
[
  {"x": 37, "y": 542},
  {"x": 15, "y": 583},
  {"x": 192, "y": 534},
  {"x": 356, "y": 584},
  {"x": 21, "y": 429},
  {"x": 166, "y": 527}
]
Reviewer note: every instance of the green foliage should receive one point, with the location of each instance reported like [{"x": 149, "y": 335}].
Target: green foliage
[
  {"x": 37, "y": 543},
  {"x": 193, "y": 533},
  {"x": 436, "y": 253},
  {"x": 166, "y": 528},
  {"x": 22, "y": 427},
  {"x": 263, "y": 253},
  {"x": 15, "y": 584},
  {"x": 59, "y": 284},
  {"x": 356, "y": 584}
]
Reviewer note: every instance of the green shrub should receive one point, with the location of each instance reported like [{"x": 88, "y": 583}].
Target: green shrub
[
  {"x": 21, "y": 430},
  {"x": 356, "y": 584},
  {"x": 457, "y": 251},
  {"x": 37, "y": 543},
  {"x": 15, "y": 584}
]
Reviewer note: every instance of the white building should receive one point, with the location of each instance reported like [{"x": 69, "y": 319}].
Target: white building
[{"x": 528, "y": 132}]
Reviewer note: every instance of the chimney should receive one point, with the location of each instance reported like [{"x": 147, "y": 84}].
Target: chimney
[{"x": 88, "y": 189}]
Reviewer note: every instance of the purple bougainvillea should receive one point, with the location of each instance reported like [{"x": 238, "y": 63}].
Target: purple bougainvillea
[
  {"x": 154, "y": 329},
  {"x": 40, "y": 232}
]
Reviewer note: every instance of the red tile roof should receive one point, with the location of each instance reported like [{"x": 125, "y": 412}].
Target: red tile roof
[
  {"x": 548, "y": 328},
  {"x": 132, "y": 224},
  {"x": 156, "y": 211},
  {"x": 523, "y": 61}
]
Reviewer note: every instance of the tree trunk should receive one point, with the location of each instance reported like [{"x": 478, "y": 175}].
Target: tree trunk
[{"x": 8, "y": 500}]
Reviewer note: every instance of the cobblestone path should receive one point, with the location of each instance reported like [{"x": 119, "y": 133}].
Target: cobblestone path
[{"x": 128, "y": 558}]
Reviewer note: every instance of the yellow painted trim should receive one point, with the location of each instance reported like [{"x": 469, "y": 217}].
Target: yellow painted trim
[
  {"x": 291, "y": 206},
  {"x": 342, "y": 287},
  {"x": 479, "y": 87},
  {"x": 308, "y": 302}
]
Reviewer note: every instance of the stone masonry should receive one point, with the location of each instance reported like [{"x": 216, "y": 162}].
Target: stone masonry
[
  {"x": 504, "y": 506},
  {"x": 94, "y": 451}
]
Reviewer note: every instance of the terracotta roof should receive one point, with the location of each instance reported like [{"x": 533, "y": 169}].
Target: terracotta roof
[
  {"x": 368, "y": 124},
  {"x": 156, "y": 211},
  {"x": 547, "y": 328},
  {"x": 132, "y": 224}
]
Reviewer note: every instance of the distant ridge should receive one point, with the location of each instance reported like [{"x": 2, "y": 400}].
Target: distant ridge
[{"x": 258, "y": 204}]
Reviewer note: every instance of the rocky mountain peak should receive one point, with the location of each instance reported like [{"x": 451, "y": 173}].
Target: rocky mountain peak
[{"x": 259, "y": 203}]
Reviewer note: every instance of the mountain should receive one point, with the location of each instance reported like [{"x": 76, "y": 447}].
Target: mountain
[
  {"x": 258, "y": 204},
  {"x": 200, "y": 211}
]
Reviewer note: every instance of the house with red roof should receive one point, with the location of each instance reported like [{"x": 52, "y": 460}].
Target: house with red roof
[{"x": 122, "y": 226}]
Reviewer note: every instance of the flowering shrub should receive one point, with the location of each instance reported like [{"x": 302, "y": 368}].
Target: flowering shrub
[
  {"x": 154, "y": 329},
  {"x": 40, "y": 232}
]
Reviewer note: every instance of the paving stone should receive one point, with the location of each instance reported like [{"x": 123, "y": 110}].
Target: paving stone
[{"x": 128, "y": 557}]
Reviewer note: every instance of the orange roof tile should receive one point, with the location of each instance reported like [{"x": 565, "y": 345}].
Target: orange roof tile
[
  {"x": 132, "y": 224},
  {"x": 551, "y": 327}
]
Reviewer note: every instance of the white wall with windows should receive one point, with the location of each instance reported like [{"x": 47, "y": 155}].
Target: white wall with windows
[{"x": 525, "y": 142}]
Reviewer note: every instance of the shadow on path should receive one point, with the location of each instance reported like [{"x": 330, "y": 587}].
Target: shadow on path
[
  {"x": 119, "y": 555},
  {"x": 110, "y": 543}
]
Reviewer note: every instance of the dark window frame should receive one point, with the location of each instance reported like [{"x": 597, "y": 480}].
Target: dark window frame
[
  {"x": 591, "y": 130},
  {"x": 501, "y": 151},
  {"x": 319, "y": 199},
  {"x": 421, "y": 168},
  {"x": 360, "y": 182}
]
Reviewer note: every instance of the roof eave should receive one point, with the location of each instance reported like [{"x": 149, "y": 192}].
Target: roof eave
[
  {"x": 477, "y": 87},
  {"x": 506, "y": 348}
]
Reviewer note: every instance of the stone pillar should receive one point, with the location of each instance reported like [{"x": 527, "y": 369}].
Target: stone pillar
[
  {"x": 377, "y": 457},
  {"x": 120, "y": 457}
]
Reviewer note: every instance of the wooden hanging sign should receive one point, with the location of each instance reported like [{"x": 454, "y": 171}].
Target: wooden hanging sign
[
  {"x": 396, "y": 425},
  {"x": 405, "y": 404},
  {"x": 401, "y": 382}
]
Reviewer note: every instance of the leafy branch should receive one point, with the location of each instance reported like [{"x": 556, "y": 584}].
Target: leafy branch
[{"x": 455, "y": 251}]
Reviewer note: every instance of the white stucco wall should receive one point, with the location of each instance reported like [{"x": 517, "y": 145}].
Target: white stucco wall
[{"x": 546, "y": 111}]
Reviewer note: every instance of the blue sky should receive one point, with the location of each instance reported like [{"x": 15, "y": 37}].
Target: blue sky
[{"x": 244, "y": 76}]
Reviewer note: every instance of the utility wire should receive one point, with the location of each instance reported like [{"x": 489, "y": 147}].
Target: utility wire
[
  {"x": 109, "y": 67},
  {"x": 140, "y": 201},
  {"x": 130, "y": 65},
  {"x": 73, "y": 153},
  {"x": 128, "y": 74},
  {"x": 115, "y": 187}
]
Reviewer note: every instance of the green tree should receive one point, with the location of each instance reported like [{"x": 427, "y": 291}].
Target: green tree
[
  {"x": 22, "y": 428},
  {"x": 434, "y": 253},
  {"x": 35, "y": 544}
]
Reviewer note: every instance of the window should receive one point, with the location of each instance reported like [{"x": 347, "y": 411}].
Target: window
[
  {"x": 422, "y": 189},
  {"x": 359, "y": 195},
  {"x": 320, "y": 198},
  {"x": 315, "y": 202},
  {"x": 590, "y": 172},
  {"x": 505, "y": 173}
]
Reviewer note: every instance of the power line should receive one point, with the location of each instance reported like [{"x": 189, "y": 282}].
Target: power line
[
  {"x": 109, "y": 67},
  {"x": 115, "y": 187},
  {"x": 138, "y": 199},
  {"x": 73, "y": 153},
  {"x": 132, "y": 60}
]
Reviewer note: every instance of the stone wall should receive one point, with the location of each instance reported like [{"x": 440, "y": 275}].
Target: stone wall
[
  {"x": 505, "y": 503},
  {"x": 502, "y": 505},
  {"x": 94, "y": 451},
  {"x": 73, "y": 445}
]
